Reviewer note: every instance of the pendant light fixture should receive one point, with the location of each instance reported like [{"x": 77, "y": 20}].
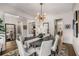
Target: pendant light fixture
[{"x": 41, "y": 16}]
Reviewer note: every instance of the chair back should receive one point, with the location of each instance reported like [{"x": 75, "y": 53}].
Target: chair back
[
  {"x": 55, "y": 45},
  {"x": 45, "y": 49},
  {"x": 21, "y": 48}
]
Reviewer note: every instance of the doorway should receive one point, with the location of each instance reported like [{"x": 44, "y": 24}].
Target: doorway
[
  {"x": 58, "y": 25},
  {"x": 10, "y": 36},
  {"x": 10, "y": 32},
  {"x": 59, "y": 32}
]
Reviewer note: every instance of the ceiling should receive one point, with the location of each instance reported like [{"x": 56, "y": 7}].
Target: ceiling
[{"x": 21, "y": 9}]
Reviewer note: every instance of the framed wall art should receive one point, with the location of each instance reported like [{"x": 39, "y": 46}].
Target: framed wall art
[
  {"x": 67, "y": 26},
  {"x": 76, "y": 24}
]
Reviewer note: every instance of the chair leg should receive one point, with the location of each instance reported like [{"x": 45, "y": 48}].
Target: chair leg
[
  {"x": 53, "y": 52},
  {"x": 57, "y": 51},
  {"x": 35, "y": 54}
]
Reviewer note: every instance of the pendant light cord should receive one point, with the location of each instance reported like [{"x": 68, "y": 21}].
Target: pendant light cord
[{"x": 41, "y": 7}]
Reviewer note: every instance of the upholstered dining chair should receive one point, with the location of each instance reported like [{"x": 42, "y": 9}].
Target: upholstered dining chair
[
  {"x": 45, "y": 48},
  {"x": 55, "y": 45},
  {"x": 22, "y": 50}
]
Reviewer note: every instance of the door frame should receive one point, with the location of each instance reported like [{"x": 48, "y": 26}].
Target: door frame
[
  {"x": 55, "y": 23},
  {"x": 14, "y": 31}
]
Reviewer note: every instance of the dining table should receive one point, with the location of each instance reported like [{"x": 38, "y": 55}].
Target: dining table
[{"x": 36, "y": 41}]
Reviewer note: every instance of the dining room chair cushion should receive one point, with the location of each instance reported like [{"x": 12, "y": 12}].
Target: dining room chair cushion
[
  {"x": 23, "y": 51},
  {"x": 45, "y": 48}
]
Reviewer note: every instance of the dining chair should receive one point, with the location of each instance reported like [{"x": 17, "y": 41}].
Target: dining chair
[
  {"x": 55, "y": 45},
  {"x": 23, "y": 51},
  {"x": 45, "y": 48}
]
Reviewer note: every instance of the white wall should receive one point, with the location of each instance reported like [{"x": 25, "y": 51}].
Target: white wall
[
  {"x": 11, "y": 19},
  {"x": 67, "y": 19}
]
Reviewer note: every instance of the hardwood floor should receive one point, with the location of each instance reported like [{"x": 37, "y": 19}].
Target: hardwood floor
[
  {"x": 70, "y": 48},
  {"x": 11, "y": 45}
]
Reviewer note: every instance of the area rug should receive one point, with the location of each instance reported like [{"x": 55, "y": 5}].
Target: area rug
[
  {"x": 62, "y": 52},
  {"x": 12, "y": 53}
]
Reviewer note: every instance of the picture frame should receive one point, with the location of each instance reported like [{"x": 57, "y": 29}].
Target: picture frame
[
  {"x": 67, "y": 26},
  {"x": 76, "y": 24}
]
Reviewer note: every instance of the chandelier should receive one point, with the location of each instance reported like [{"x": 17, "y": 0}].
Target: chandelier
[{"x": 41, "y": 16}]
